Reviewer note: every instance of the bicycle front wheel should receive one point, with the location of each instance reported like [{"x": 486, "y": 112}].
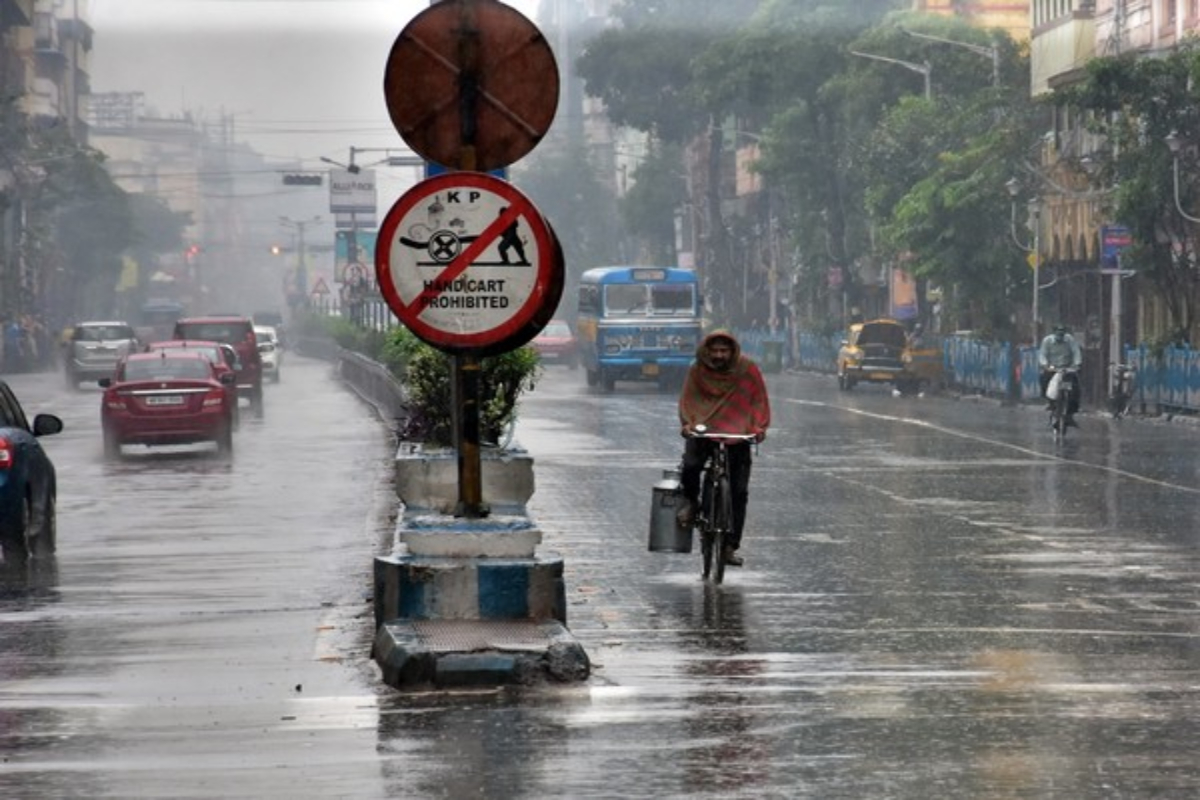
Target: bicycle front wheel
[
  {"x": 1060, "y": 414},
  {"x": 722, "y": 522}
]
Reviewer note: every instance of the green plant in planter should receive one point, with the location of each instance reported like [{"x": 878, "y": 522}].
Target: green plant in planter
[{"x": 503, "y": 379}]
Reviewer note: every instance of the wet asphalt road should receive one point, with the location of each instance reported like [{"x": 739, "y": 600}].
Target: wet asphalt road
[{"x": 938, "y": 602}]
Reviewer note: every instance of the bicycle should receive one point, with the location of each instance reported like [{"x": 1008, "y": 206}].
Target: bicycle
[
  {"x": 1059, "y": 392},
  {"x": 714, "y": 518},
  {"x": 1123, "y": 381}
]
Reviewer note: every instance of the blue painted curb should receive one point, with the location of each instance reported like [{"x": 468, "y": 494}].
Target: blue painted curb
[{"x": 426, "y": 588}]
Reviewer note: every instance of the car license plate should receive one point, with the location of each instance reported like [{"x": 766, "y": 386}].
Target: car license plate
[
  {"x": 881, "y": 376},
  {"x": 164, "y": 400},
  {"x": 649, "y": 369}
]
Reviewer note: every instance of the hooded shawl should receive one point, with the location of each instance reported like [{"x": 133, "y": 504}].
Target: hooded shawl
[{"x": 733, "y": 400}]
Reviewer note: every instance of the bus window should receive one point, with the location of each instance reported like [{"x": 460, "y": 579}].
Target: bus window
[
  {"x": 625, "y": 299},
  {"x": 673, "y": 299},
  {"x": 589, "y": 300}
]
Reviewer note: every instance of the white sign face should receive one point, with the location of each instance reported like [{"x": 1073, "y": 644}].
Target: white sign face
[
  {"x": 464, "y": 260},
  {"x": 351, "y": 192}
]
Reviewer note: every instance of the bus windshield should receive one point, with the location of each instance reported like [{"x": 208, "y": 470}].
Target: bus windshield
[{"x": 660, "y": 299}]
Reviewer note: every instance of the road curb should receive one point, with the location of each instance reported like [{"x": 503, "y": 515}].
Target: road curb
[{"x": 457, "y": 653}]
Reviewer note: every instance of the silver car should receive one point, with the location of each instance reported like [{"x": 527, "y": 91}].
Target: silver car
[{"x": 94, "y": 348}]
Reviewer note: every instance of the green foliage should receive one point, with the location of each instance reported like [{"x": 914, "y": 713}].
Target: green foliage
[
  {"x": 616, "y": 65},
  {"x": 1132, "y": 105},
  {"x": 346, "y": 334},
  {"x": 659, "y": 14},
  {"x": 648, "y": 208},
  {"x": 398, "y": 350},
  {"x": 79, "y": 219},
  {"x": 156, "y": 228},
  {"x": 503, "y": 379},
  {"x": 563, "y": 183}
]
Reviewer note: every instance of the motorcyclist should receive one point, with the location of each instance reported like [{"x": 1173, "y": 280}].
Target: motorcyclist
[
  {"x": 1060, "y": 350},
  {"x": 724, "y": 391}
]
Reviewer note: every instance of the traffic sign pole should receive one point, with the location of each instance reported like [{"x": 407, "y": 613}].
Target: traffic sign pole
[
  {"x": 465, "y": 369},
  {"x": 471, "y": 84}
]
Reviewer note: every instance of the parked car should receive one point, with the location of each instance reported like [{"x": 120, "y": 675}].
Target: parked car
[
  {"x": 876, "y": 352},
  {"x": 93, "y": 349},
  {"x": 269, "y": 350},
  {"x": 167, "y": 397},
  {"x": 239, "y": 332},
  {"x": 556, "y": 344},
  {"x": 28, "y": 483},
  {"x": 222, "y": 356}
]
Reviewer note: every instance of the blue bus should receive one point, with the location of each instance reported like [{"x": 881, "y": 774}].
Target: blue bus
[{"x": 637, "y": 324}]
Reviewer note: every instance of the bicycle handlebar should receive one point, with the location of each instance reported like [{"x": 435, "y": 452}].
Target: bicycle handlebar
[{"x": 700, "y": 432}]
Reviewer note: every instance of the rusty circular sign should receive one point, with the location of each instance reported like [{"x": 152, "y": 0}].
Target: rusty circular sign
[
  {"x": 468, "y": 264},
  {"x": 471, "y": 84}
]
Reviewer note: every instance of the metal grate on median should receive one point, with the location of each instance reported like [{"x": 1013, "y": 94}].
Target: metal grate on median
[{"x": 470, "y": 636}]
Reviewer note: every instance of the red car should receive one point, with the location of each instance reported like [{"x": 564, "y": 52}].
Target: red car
[
  {"x": 167, "y": 397},
  {"x": 556, "y": 344},
  {"x": 236, "y": 331},
  {"x": 222, "y": 356}
]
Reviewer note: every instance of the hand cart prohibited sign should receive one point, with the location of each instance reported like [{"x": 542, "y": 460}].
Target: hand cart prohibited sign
[{"x": 468, "y": 263}]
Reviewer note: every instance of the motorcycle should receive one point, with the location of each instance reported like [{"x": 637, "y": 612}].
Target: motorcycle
[{"x": 1123, "y": 384}]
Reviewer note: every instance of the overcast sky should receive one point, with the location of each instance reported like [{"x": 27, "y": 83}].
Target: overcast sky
[{"x": 300, "y": 78}]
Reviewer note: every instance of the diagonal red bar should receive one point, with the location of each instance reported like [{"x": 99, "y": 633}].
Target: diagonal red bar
[{"x": 467, "y": 257}]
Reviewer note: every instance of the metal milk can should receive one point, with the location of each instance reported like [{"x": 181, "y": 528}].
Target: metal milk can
[{"x": 666, "y": 534}]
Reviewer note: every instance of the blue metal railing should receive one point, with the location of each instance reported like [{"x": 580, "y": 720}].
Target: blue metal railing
[{"x": 1168, "y": 381}]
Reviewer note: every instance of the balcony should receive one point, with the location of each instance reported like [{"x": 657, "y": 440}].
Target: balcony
[{"x": 1060, "y": 49}]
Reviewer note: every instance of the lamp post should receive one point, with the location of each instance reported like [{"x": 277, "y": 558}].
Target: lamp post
[
  {"x": 1014, "y": 189},
  {"x": 991, "y": 52},
  {"x": 922, "y": 69},
  {"x": 1175, "y": 144}
]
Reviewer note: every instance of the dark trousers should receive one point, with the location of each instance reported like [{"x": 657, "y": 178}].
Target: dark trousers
[
  {"x": 695, "y": 454},
  {"x": 1073, "y": 378}
]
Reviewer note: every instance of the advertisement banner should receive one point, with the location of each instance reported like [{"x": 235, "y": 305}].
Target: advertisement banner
[{"x": 364, "y": 255}]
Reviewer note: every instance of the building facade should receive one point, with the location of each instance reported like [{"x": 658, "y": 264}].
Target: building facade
[{"x": 44, "y": 51}]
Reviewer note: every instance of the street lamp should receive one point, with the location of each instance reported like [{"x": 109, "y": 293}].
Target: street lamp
[
  {"x": 991, "y": 52},
  {"x": 1014, "y": 189},
  {"x": 1175, "y": 144},
  {"x": 923, "y": 69}
]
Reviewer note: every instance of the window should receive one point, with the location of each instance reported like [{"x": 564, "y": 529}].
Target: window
[{"x": 624, "y": 299}]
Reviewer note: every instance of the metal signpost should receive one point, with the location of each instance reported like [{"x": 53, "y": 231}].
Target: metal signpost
[{"x": 472, "y": 85}]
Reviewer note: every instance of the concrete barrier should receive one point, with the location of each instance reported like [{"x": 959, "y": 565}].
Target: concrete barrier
[
  {"x": 419, "y": 588},
  {"x": 463, "y": 602}
]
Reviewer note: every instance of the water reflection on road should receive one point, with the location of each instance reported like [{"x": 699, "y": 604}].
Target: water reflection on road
[{"x": 937, "y": 602}]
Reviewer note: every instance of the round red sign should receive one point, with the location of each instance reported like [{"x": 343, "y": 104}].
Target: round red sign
[{"x": 468, "y": 264}]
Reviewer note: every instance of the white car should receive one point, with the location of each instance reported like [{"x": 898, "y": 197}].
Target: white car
[{"x": 269, "y": 351}]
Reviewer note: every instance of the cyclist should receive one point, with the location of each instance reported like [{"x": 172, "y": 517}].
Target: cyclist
[
  {"x": 1059, "y": 350},
  {"x": 724, "y": 391}
]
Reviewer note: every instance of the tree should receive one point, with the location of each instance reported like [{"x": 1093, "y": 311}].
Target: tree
[
  {"x": 649, "y": 206},
  {"x": 79, "y": 224},
  {"x": 563, "y": 183},
  {"x": 1133, "y": 104}
]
